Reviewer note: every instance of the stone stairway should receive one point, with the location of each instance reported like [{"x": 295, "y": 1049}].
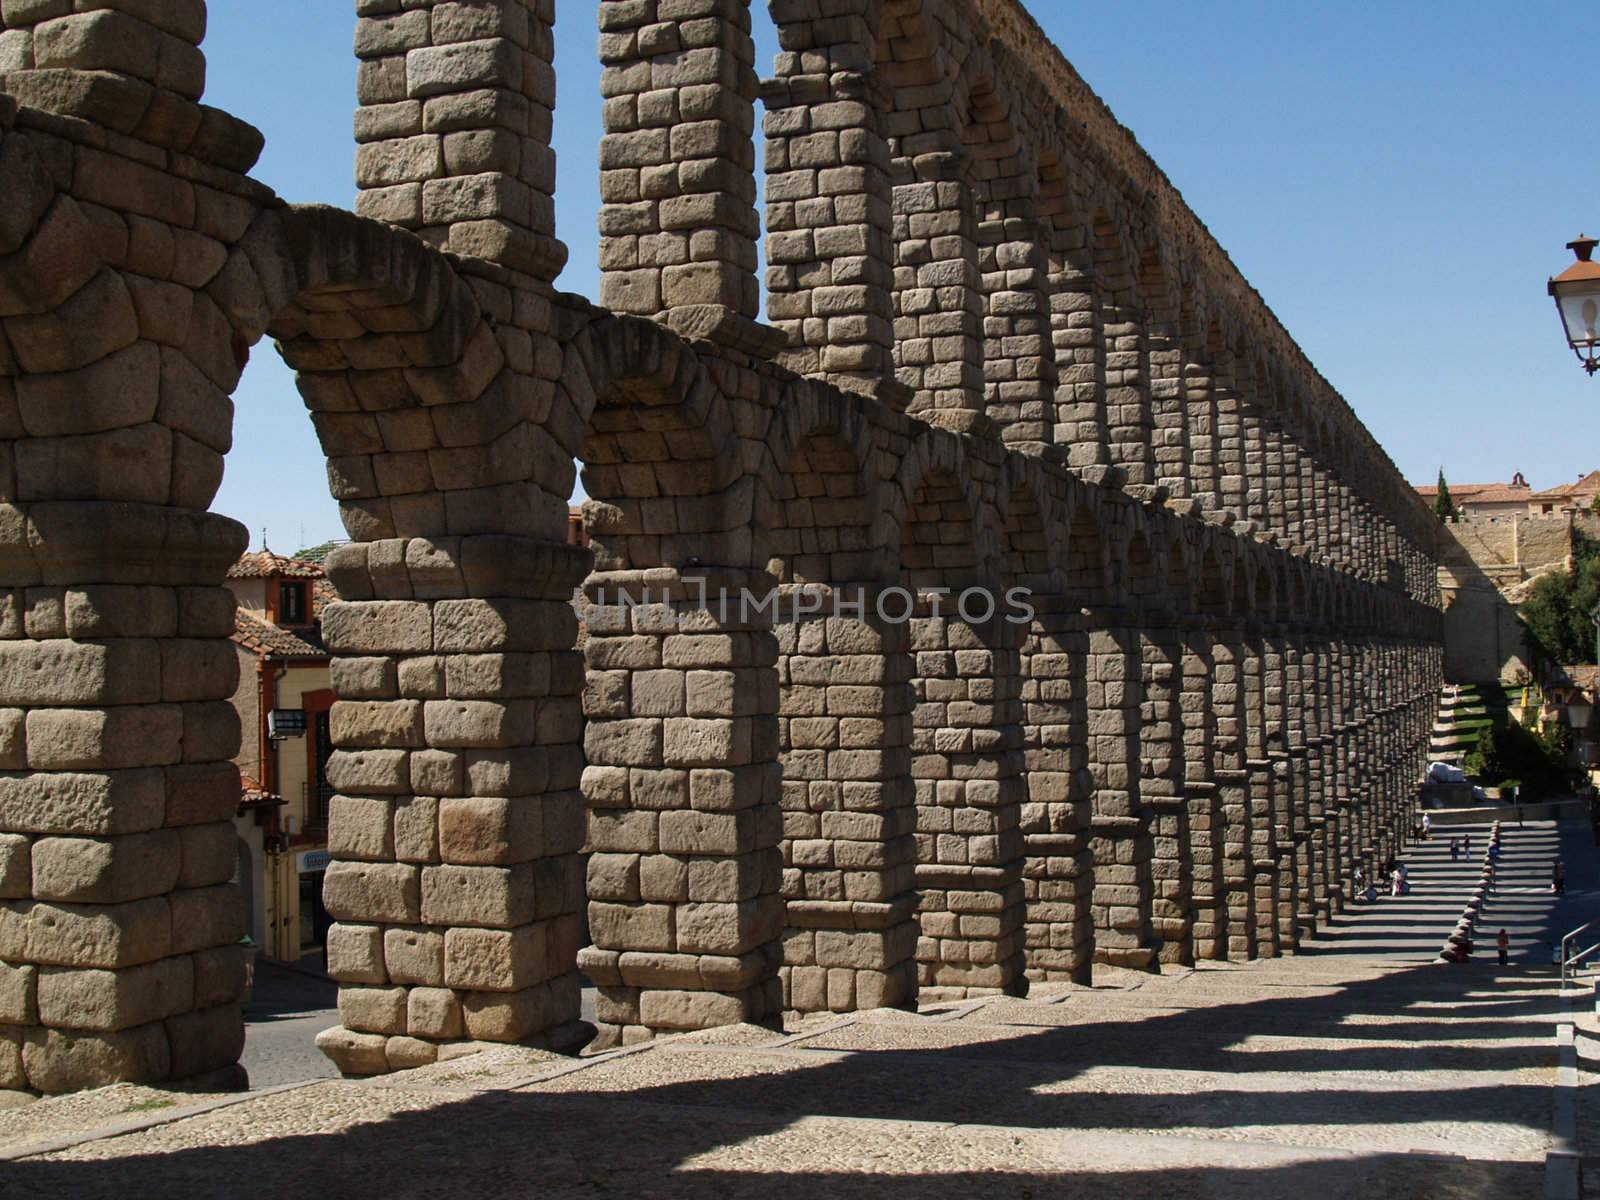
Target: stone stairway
[{"x": 1463, "y": 711}]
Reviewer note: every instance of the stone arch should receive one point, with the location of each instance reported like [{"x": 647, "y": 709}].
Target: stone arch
[
  {"x": 1088, "y": 558},
  {"x": 1142, "y": 575},
  {"x": 457, "y": 553},
  {"x": 936, "y": 487},
  {"x": 1177, "y": 560},
  {"x": 1028, "y": 546},
  {"x": 818, "y": 516},
  {"x": 661, "y": 462},
  {"x": 1213, "y": 591}
]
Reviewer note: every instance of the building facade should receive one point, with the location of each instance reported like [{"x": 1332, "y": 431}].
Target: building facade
[{"x": 284, "y": 701}]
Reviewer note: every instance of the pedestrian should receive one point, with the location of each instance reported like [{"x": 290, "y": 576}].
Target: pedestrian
[
  {"x": 1361, "y": 884},
  {"x": 1396, "y": 882},
  {"x": 1494, "y": 851},
  {"x": 1405, "y": 879},
  {"x": 1503, "y": 944},
  {"x": 1466, "y": 846},
  {"x": 1558, "y": 877},
  {"x": 1488, "y": 870},
  {"x": 1455, "y": 849},
  {"x": 1427, "y": 826}
]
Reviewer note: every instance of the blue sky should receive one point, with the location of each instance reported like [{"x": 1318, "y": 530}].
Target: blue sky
[{"x": 1397, "y": 179}]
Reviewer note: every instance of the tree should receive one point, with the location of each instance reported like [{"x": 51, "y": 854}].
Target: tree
[
  {"x": 1532, "y": 758},
  {"x": 1556, "y": 614},
  {"x": 1444, "y": 507}
]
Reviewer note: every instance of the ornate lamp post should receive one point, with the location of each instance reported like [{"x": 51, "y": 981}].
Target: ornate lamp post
[{"x": 1577, "y": 295}]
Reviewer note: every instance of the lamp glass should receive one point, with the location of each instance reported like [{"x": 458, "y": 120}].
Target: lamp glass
[{"x": 1579, "y": 301}]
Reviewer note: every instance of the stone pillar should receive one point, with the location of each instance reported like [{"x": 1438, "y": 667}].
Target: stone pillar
[
  {"x": 119, "y": 925},
  {"x": 1322, "y": 515},
  {"x": 1264, "y": 881},
  {"x": 1305, "y": 513},
  {"x": 1275, "y": 483},
  {"x": 677, "y": 169},
  {"x": 830, "y": 253},
  {"x": 849, "y": 805},
  {"x": 1347, "y": 851},
  {"x": 1080, "y": 353},
  {"x": 1058, "y": 875},
  {"x": 1201, "y": 420},
  {"x": 1297, "y": 684},
  {"x": 1233, "y": 791},
  {"x": 1256, "y": 485},
  {"x": 967, "y": 762},
  {"x": 1319, "y": 807},
  {"x": 456, "y": 880},
  {"x": 133, "y": 67},
  {"x": 1129, "y": 421},
  {"x": 457, "y": 103},
  {"x": 1275, "y": 693},
  {"x": 1161, "y": 790},
  {"x": 1202, "y": 799},
  {"x": 1122, "y": 845},
  {"x": 1169, "y": 396},
  {"x": 939, "y": 307},
  {"x": 684, "y": 788},
  {"x": 1019, "y": 364},
  {"x": 1230, "y": 447}
]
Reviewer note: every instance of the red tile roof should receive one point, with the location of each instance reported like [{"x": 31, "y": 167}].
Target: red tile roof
[
  {"x": 273, "y": 641},
  {"x": 1482, "y": 493},
  {"x": 252, "y": 794},
  {"x": 1588, "y": 485},
  {"x": 264, "y": 564}
]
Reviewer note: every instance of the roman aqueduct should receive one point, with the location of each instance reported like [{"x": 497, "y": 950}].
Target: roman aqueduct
[{"x": 999, "y": 353}]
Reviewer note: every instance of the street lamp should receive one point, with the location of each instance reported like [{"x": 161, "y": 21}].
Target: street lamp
[{"x": 1577, "y": 295}]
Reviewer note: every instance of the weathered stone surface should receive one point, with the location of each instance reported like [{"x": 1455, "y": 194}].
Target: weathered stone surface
[
  {"x": 85, "y": 935},
  {"x": 107, "y": 870},
  {"x": 71, "y": 998},
  {"x": 59, "y": 1060}
]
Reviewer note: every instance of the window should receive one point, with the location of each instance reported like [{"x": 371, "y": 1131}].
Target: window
[
  {"x": 321, "y": 794},
  {"x": 292, "y": 603}
]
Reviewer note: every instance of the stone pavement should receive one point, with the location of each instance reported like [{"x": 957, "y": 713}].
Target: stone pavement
[
  {"x": 288, "y": 1007},
  {"x": 1352, "y": 1070}
]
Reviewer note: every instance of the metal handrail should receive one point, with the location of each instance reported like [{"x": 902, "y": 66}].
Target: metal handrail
[{"x": 1570, "y": 959}]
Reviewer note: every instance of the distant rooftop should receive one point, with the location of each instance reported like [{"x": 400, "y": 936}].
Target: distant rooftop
[{"x": 264, "y": 564}]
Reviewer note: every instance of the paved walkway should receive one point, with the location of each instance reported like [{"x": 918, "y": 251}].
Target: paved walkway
[
  {"x": 1361, "y": 1069},
  {"x": 288, "y": 1007}
]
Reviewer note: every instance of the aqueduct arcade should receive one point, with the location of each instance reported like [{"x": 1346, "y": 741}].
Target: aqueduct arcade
[{"x": 999, "y": 356}]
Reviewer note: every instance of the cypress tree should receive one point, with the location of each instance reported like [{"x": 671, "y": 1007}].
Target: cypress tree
[{"x": 1443, "y": 506}]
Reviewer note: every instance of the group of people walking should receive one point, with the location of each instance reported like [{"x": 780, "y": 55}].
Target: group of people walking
[{"x": 1394, "y": 874}]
